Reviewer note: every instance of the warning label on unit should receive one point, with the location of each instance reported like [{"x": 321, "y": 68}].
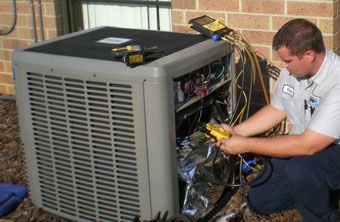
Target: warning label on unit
[{"x": 114, "y": 41}]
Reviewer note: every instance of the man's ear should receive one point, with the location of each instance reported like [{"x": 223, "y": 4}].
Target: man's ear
[{"x": 310, "y": 55}]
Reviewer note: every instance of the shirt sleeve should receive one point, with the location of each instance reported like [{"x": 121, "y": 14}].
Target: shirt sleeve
[
  {"x": 276, "y": 98},
  {"x": 326, "y": 118}
]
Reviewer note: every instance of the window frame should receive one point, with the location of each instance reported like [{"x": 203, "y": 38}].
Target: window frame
[{"x": 74, "y": 15}]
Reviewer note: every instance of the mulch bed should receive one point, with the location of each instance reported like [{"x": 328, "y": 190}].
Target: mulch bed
[{"x": 12, "y": 167}]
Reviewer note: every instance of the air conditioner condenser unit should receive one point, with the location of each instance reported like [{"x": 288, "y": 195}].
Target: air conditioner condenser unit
[{"x": 100, "y": 137}]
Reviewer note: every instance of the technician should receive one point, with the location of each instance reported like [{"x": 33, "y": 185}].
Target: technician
[{"x": 305, "y": 163}]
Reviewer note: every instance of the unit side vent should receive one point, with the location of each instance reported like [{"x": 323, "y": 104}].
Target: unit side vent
[{"x": 85, "y": 148}]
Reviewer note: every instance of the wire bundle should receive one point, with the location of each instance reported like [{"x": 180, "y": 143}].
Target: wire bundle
[
  {"x": 247, "y": 54},
  {"x": 246, "y": 51},
  {"x": 223, "y": 169},
  {"x": 240, "y": 167}
]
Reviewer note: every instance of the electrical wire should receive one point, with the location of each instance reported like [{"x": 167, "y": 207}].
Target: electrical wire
[
  {"x": 221, "y": 73},
  {"x": 248, "y": 61},
  {"x": 237, "y": 39},
  {"x": 14, "y": 20},
  {"x": 243, "y": 81},
  {"x": 41, "y": 26},
  {"x": 33, "y": 22},
  {"x": 240, "y": 114}
]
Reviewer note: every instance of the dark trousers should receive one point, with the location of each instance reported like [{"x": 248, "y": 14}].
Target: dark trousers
[{"x": 303, "y": 182}]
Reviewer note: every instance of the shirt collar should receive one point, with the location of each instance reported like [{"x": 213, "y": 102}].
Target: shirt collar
[{"x": 319, "y": 77}]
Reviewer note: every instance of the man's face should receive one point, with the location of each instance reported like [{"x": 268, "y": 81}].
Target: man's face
[{"x": 298, "y": 66}]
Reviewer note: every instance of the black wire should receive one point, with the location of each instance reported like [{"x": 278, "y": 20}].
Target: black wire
[
  {"x": 232, "y": 166},
  {"x": 220, "y": 203},
  {"x": 192, "y": 125},
  {"x": 14, "y": 20}
]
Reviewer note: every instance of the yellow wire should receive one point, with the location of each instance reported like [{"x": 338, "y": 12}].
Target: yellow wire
[
  {"x": 236, "y": 38},
  {"x": 260, "y": 74},
  {"x": 248, "y": 50},
  {"x": 254, "y": 62},
  {"x": 240, "y": 115},
  {"x": 220, "y": 19},
  {"x": 236, "y": 42},
  {"x": 242, "y": 110},
  {"x": 253, "y": 71}
]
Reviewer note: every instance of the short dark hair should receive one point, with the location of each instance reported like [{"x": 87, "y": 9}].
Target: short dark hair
[{"x": 299, "y": 36}]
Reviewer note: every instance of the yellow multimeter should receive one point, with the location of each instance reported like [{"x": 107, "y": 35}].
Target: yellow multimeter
[
  {"x": 217, "y": 132},
  {"x": 209, "y": 26}
]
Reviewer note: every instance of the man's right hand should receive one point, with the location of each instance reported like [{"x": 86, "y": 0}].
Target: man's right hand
[{"x": 227, "y": 128}]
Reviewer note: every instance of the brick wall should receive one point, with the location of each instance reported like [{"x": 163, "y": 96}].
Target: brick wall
[
  {"x": 22, "y": 35},
  {"x": 258, "y": 20}
]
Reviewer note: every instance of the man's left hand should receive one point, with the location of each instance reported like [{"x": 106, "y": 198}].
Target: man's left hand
[{"x": 236, "y": 144}]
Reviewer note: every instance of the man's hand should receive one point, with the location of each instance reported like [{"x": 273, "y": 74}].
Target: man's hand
[
  {"x": 232, "y": 145},
  {"x": 236, "y": 144},
  {"x": 227, "y": 128}
]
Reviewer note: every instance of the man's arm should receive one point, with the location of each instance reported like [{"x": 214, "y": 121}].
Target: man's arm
[
  {"x": 262, "y": 121},
  {"x": 307, "y": 143}
]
